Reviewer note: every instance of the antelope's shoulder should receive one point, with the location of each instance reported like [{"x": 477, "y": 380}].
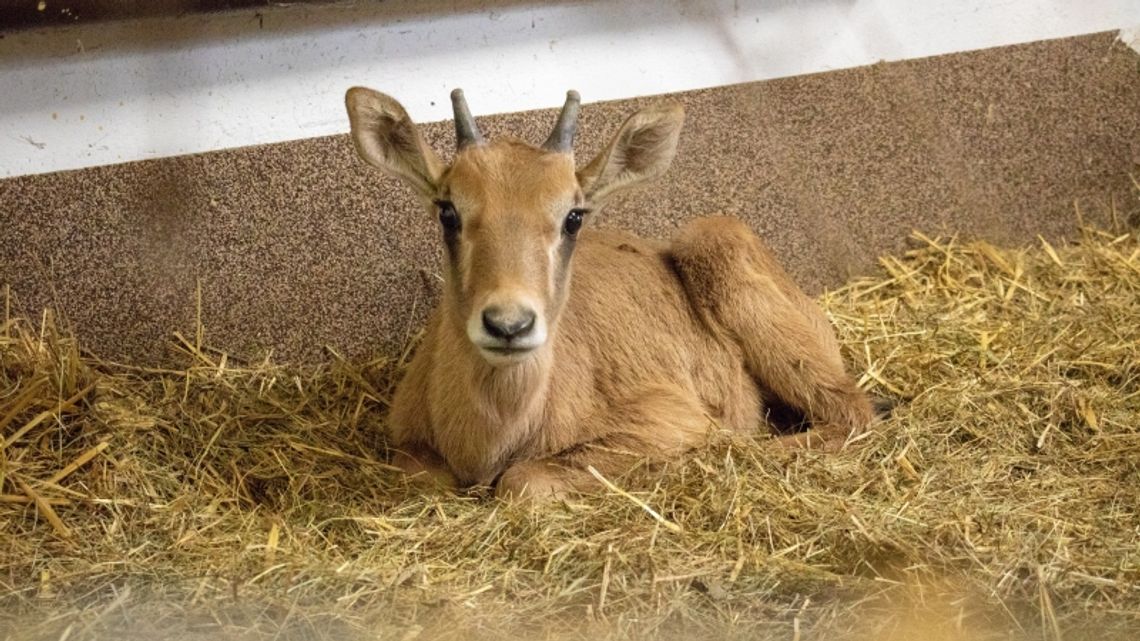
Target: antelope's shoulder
[{"x": 625, "y": 286}]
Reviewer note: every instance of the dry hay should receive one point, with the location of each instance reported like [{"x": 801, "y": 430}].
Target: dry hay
[{"x": 230, "y": 500}]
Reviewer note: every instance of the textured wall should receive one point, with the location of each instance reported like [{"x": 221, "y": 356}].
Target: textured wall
[{"x": 298, "y": 246}]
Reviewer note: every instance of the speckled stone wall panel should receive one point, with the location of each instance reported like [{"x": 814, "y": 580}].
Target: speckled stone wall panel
[{"x": 299, "y": 248}]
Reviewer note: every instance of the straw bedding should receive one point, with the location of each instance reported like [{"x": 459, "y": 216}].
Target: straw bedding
[{"x": 234, "y": 500}]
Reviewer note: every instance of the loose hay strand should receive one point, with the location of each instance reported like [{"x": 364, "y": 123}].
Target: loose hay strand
[
  {"x": 80, "y": 461},
  {"x": 633, "y": 499},
  {"x": 45, "y": 415},
  {"x": 45, "y": 509}
]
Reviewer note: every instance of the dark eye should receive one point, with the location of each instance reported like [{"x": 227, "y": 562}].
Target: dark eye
[
  {"x": 573, "y": 221},
  {"x": 448, "y": 217}
]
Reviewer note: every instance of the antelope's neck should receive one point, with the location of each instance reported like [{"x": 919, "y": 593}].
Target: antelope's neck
[
  {"x": 488, "y": 413},
  {"x": 514, "y": 391}
]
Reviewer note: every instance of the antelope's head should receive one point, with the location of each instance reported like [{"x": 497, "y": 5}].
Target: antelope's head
[{"x": 509, "y": 212}]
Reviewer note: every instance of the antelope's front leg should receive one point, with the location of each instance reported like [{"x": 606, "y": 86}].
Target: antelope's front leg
[
  {"x": 657, "y": 424},
  {"x": 542, "y": 480},
  {"x": 425, "y": 469}
]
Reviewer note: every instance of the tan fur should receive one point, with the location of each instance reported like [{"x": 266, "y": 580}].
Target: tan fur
[{"x": 649, "y": 344}]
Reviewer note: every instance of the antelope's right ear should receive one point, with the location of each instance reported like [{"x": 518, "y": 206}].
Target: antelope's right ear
[
  {"x": 641, "y": 151},
  {"x": 386, "y": 138}
]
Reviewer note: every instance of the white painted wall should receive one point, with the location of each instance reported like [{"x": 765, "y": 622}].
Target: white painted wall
[{"x": 107, "y": 93}]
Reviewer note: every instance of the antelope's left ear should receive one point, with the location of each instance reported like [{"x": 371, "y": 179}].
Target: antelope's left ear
[{"x": 642, "y": 150}]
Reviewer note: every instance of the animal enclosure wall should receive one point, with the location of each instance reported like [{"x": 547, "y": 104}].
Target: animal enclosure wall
[{"x": 297, "y": 246}]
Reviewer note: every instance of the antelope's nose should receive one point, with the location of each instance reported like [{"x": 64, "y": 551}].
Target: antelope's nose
[{"x": 507, "y": 323}]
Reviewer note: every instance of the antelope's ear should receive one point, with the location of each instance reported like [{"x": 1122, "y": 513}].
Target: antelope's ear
[
  {"x": 386, "y": 138},
  {"x": 641, "y": 151}
]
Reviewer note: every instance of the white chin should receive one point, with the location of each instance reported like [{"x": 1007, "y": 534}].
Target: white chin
[{"x": 501, "y": 357}]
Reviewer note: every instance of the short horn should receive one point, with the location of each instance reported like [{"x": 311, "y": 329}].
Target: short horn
[
  {"x": 562, "y": 138},
  {"x": 466, "y": 131}
]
